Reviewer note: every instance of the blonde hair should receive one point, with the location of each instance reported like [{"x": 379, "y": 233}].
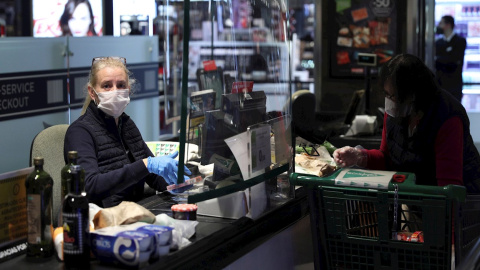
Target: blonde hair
[{"x": 93, "y": 78}]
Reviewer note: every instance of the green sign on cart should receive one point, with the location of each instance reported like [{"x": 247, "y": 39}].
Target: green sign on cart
[{"x": 364, "y": 178}]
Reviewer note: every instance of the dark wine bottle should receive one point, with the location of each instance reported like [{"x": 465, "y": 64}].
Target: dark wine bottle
[
  {"x": 39, "y": 187},
  {"x": 66, "y": 179},
  {"x": 76, "y": 229}
]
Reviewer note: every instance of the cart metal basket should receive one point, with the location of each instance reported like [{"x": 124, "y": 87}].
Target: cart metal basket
[{"x": 366, "y": 228}]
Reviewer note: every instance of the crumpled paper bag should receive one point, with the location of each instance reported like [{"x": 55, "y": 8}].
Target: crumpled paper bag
[{"x": 124, "y": 213}]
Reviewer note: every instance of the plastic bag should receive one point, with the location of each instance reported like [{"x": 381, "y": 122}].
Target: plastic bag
[{"x": 182, "y": 229}]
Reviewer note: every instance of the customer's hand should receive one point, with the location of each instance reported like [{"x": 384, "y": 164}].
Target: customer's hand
[
  {"x": 350, "y": 156},
  {"x": 166, "y": 167}
]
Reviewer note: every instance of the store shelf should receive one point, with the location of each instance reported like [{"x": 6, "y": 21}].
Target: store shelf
[{"x": 236, "y": 44}]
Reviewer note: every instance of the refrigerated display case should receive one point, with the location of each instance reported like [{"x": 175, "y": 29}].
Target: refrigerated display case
[
  {"x": 302, "y": 37},
  {"x": 467, "y": 24},
  {"x": 226, "y": 77}
]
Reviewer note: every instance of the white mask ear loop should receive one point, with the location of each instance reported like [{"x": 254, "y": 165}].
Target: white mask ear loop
[{"x": 95, "y": 100}]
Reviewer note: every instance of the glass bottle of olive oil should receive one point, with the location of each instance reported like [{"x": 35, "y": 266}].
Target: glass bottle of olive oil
[
  {"x": 39, "y": 186},
  {"x": 66, "y": 178},
  {"x": 76, "y": 229}
]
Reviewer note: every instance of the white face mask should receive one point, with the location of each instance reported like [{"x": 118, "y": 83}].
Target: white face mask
[
  {"x": 393, "y": 110},
  {"x": 113, "y": 102}
]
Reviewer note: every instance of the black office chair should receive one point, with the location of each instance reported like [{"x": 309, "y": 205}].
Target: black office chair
[{"x": 303, "y": 117}]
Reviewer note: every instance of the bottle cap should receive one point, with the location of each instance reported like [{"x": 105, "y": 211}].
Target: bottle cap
[
  {"x": 38, "y": 161},
  {"x": 72, "y": 154}
]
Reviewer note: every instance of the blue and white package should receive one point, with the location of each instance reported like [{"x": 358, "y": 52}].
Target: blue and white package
[
  {"x": 162, "y": 233},
  {"x": 162, "y": 250},
  {"x": 127, "y": 248},
  {"x": 145, "y": 239}
]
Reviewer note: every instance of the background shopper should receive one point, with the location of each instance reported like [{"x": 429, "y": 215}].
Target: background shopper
[{"x": 449, "y": 54}]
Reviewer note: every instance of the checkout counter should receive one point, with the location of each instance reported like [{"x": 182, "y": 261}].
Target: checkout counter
[{"x": 218, "y": 242}]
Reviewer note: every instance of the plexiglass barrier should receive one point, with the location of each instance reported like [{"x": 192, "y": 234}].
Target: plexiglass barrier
[{"x": 226, "y": 77}]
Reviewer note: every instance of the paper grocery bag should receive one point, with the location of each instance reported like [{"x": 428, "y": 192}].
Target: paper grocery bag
[{"x": 124, "y": 213}]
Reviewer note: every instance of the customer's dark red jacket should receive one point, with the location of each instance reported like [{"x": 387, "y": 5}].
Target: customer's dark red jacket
[{"x": 440, "y": 152}]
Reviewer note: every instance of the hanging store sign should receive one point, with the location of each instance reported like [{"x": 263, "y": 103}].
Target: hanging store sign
[{"x": 34, "y": 93}]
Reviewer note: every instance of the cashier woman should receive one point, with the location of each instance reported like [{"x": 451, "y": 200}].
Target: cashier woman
[
  {"x": 426, "y": 130},
  {"x": 115, "y": 157}
]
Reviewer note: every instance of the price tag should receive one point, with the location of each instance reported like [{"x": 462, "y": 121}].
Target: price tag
[
  {"x": 242, "y": 87},
  {"x": 209, "y": 65}
]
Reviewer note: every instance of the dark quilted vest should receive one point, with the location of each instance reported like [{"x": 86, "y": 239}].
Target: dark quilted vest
[
  {"x": 111, "y": 152},
  {"x": 417, "y": 153}
]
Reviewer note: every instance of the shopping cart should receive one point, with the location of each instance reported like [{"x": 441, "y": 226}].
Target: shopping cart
[{"x": 366, "y": 227}]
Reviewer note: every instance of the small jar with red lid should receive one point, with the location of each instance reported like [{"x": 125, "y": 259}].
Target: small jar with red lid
[{"x": 184, "y": 211}]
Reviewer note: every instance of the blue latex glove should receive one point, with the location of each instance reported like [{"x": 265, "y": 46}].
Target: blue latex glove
[{"x": 166, "y": 167}]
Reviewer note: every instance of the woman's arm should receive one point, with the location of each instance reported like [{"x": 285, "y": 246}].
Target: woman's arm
[
  {"x": 100, "y": 185},
  {"x": 449, "y": 152},
  {"x": 376, "y": 158},
  {"x": 154, "y": 181}
]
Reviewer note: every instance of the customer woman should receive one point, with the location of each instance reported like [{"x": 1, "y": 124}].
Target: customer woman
[
  {"x": 77, "y": 19},
  {"x": 115, "y": 157},
  {"x": 426, "y": 130}
]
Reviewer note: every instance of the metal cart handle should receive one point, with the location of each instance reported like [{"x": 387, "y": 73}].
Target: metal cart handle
[{"x": 454, "y": 192}]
